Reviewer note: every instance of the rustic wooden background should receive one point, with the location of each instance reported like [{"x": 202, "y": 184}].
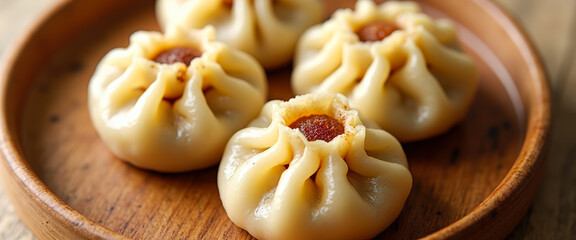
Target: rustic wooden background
[{"x": 550, "y": 24}]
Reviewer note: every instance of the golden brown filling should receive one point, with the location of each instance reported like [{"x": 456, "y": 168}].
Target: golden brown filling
[
  {"x": 375, "y": 31},
  {"x": 318, "y": 127},
  {"x": 228, "y": 3},
  {"x": 177, "y": 54}
]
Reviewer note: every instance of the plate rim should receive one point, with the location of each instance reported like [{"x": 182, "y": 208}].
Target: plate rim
[{"x": 17, "y": 173}]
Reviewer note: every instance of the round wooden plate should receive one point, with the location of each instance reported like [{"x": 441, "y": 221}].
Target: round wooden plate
[{"x": 475, "y": 181}]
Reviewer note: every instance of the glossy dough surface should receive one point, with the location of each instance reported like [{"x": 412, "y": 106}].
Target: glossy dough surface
[
  {"x": 174, "y": 117},
  {"x": 266, "y": 29},
  {"x": 416, "y": 83},
  {"x": 276, "y": 184}
]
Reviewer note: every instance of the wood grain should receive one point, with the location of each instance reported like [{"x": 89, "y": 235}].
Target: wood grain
[
  {"x": 552, "y": 25},
  {"x": 552, "y": 214},
  {"x": 15, "y": 17}
]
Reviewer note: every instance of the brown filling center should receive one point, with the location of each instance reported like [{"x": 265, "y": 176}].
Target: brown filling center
[
  {"x": 177, "y": 54},
  {"x": 375, "y": 31},
  {"x": 318, "y": 127},
  {"x": 228, "y": 3}
]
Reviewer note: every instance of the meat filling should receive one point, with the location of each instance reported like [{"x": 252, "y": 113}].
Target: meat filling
[{"x": 318, "y": 127}]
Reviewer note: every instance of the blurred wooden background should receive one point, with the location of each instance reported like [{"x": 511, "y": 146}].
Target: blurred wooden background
[{"x": 550, "y": 24}]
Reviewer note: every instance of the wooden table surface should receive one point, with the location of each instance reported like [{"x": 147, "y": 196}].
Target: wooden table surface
[{"x": 551, "y": 25}]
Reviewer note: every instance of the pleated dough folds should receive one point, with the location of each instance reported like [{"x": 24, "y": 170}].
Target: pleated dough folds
[
  {"x": 415, "y": 83},
  {"x": 276, "y": 184},
  {"x": 174, "y": 117},
  {"x": 266, "y": 29}
]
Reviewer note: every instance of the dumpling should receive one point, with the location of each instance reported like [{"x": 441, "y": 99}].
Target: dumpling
[
  {"x": 170, "y": 102},
  {"x": 398, "y": 67},
  {"x": 266, "y": 29},
  {"x": 309, "y": 168}
]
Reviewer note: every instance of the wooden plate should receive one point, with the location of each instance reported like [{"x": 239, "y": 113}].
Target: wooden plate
[{"x": 476, "y": 181}]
